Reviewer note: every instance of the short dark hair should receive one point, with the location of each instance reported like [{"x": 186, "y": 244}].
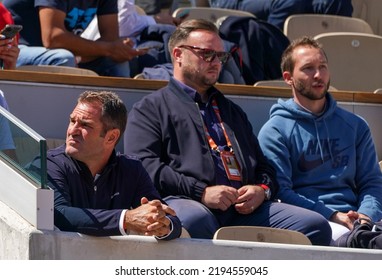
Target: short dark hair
[
  {"x": 114, "y": 112},
  {"x": 287, "y": 61},
  {"x": 182, "y": 32}
]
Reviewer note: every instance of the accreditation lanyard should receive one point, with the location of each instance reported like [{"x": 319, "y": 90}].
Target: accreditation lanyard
[{"x": 230, "y": 163}]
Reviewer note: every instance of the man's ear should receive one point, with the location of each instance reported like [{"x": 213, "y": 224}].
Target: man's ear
[
  {"x": 288, "y": 77},
  {"x": 112, "y": 136},
  {"x": 177, "y": 54}
]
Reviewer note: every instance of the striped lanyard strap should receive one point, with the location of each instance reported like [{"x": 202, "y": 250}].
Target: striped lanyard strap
[
  {"x": 211, "y": 141},
  {"x": 230, "y": 163}
]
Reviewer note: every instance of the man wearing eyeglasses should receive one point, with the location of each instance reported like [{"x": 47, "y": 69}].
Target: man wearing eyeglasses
[{"x": 200, "y": 151}]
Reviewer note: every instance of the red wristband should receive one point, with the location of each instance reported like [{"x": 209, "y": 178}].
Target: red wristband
[{"x": 265, "y": 187}]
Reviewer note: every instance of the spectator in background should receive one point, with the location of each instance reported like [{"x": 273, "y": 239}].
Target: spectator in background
[
  {"x": 146, "y": 31},
  {"x": 130, "y": 22},
  {"x": 153, "y": 7},
  {"x": 8, "y": 55},
  {"x": 277, "y": 11},
  {"x": 160, "y": 10},
  {"x": 9, "y": 50},
  {"x": 200, "y": 150},
  {"x": 5, "y": 16},
  {"x": 51, "y": 35},
  {"x": 324, "y": 156},
  {"x": 7, "y": 145}
]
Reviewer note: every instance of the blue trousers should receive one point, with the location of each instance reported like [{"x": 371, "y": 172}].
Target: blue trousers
[
  {"x": 104, "y": 66},
  {"x": 277, "y": 11},
  {"x": 43, "y": 56},
  {"x": 202, "y": 222}
]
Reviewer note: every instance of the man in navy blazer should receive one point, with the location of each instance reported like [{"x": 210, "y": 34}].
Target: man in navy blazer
[{"x": 98, "y": 191}]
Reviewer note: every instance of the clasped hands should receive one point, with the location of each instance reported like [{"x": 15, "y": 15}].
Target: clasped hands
[
  {"x": 246, "y": 199},
  {"x": 347, "y": 219},
  {"x": 149, "y": 218}
]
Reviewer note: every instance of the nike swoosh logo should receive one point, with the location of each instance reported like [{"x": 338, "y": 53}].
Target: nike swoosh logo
[
  {"x": 308, "y": 165},
  {"x": 114, "y": 195}
]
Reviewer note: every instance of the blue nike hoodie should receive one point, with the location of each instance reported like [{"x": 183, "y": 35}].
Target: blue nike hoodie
[{"x": 324, "y": 163}]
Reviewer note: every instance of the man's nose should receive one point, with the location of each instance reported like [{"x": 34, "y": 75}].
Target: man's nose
[{"x": 73, "y": 127}]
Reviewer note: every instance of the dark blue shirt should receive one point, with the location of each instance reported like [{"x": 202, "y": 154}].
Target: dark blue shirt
[
  {"x": 94, "y": 205},
  {"x": 215, "y": 130}
]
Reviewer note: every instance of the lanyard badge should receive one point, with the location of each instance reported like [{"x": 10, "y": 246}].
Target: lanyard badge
[{"x": 231, "y": 165}]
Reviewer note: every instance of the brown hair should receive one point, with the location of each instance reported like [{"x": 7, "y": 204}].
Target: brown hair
[
  {"x": 182, "y": 32},
  {"x": 114, "y": 112},
  {"x": 287, "y": 61}
]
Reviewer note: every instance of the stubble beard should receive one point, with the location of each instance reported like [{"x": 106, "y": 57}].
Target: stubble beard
[
  {"x": 307, "y": 92},
  {"x": 199, "y": 78}
]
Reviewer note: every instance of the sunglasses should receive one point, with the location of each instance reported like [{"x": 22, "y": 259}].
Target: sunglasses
[{"x": 208, "y": 55}]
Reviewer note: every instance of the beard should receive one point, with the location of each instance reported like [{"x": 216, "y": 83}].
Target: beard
[
  {"x": 307, "y": 92},
  {"x": 194, "y": 75}
]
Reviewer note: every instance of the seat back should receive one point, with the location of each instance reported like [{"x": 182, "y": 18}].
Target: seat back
[
  {"x": 208, "y": 13},
  {"x": 271, "y": 83},
  {"x": 57, "y": 69},
  {"x": 193, "y": 3},
  {"x": 261, "y": 234},
  {"x": 313, "y": 24},
  {"x": 139, "y": 76},
  {"x": 371, "y": 12},
  {"x": 355, "y": 60},
  {"x": 184, "y": 233}
]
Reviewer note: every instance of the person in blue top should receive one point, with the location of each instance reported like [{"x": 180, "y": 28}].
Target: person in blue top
[
  {"x": 51, "y": 35},
  {"x": 277, "y": 11},
  {"x": 324, "y": 155},
  {"x": 9, "y": 52},
  {"x": 200, "y": 151},
  {"x": 98, "y": 191},
  {"x": 7, "y": 145}
]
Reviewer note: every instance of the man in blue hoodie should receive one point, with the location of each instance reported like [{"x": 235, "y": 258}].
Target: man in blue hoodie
[{"x": 324, "y": 156}]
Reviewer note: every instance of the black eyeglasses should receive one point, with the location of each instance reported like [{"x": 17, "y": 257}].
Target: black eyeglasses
[{"x": 209, "y": 55}]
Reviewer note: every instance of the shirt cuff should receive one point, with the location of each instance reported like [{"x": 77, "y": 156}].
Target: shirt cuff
[
  {"x": 171, "y": 228},
  {"x": 121, "y": 223}
]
